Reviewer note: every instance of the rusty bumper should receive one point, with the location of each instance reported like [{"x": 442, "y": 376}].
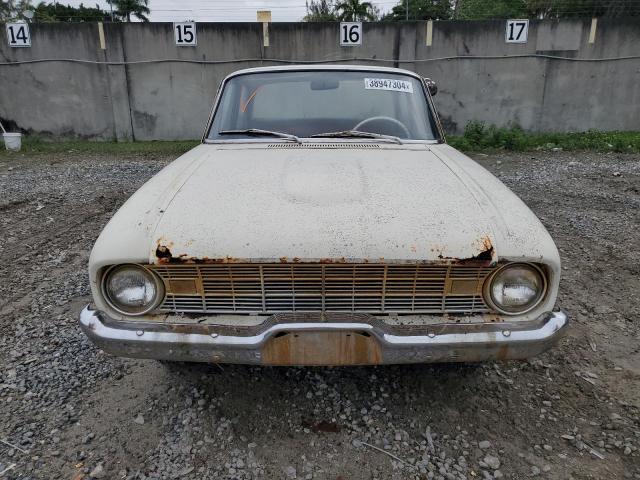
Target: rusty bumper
[{"x": 363, "y": 342}]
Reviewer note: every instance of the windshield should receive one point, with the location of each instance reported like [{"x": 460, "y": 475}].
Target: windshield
[{"x": 323, "y": 103}]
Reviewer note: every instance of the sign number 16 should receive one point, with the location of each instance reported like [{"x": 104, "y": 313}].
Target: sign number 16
[{"x": 350, "y": 34}]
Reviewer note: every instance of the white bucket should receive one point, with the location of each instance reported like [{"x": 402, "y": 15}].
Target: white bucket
[{"x": 12, "y": 141}]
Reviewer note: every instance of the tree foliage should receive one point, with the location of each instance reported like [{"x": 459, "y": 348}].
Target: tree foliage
[
  {"x": 13, "y": 10},
  {"x": 5, "y": 11},
  {"x": 355, "y": 11},
  {"x": 320, "y": 11},
  {"x": 421, "y": 10},
  {"x": 58, "y": 12},
  {"x": 345, "y": 11},
  {"x": 352, "y": 10},
  {"x": 583, "y": 8},
  {"x": 488, "y": 9},
  {"x": 483, "y": 9},
  {"x": 124, "y": 9}
]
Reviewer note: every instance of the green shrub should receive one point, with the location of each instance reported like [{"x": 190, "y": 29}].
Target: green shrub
[
  {"x": 474, "y": 134},
  {"x": 477, "y": 136}
]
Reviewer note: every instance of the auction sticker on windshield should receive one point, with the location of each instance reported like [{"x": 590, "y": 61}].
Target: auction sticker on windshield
[{"x": 388, "y": 84}]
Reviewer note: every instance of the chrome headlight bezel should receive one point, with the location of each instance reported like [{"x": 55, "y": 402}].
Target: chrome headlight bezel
[
  {"x": 149, "y": 274},
  {"x": 488, "y": 284}
]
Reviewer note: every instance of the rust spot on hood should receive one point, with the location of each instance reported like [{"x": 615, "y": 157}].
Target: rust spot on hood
[
  {"x": 164, "y": 256},
  {"x": 485, "y": 253}
]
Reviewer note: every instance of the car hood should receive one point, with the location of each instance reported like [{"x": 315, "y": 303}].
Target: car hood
[
  {"x": 388, "y": 203},
  {"x": 400, "y": 203}
]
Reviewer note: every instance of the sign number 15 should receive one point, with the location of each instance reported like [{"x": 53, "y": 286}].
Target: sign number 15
[{"x": 185, "y": 33}]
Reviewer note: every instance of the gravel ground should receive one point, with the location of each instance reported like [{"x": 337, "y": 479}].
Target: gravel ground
[{"x": 67, "y": 410}]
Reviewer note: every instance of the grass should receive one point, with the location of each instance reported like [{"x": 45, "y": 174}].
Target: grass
[
  {"x": 478, "y": 137},
  {"x": 32, "y": 144}
]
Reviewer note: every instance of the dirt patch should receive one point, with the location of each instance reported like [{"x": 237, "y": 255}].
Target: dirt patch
[{"x": 68, "y": 410}]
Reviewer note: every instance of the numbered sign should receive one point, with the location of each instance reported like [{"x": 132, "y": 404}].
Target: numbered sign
[
  {"x": 18, "y": 34},
  {"x": 517, "y": 31},
  {"x": 350, "y": 34},
  {"x": 185, "y": 33}
]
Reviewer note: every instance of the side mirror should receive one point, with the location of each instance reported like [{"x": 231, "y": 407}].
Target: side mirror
[{"x": 431, "y": 86}]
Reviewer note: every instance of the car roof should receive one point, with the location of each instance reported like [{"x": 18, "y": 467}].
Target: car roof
[{"x": 325, "y": 67}]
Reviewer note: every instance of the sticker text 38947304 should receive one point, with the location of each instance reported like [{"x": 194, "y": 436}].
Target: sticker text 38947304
[{"x": 388, "y": 84}]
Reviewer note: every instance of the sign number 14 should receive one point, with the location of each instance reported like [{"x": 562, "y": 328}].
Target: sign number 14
[{"x": 18, "y": 35}]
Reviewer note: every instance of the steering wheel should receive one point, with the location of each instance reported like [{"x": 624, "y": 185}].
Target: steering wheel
[{"x": 396, "y": 123}]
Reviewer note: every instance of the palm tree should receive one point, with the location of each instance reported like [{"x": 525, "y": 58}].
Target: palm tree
[
  {"x": 126, "y": 8},
  {"x": 354, "y": 11}
]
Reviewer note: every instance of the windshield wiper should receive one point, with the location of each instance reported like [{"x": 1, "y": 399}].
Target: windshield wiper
[
  {"x": 260, "y": 132},
  {"x": 358, "y": 134}
]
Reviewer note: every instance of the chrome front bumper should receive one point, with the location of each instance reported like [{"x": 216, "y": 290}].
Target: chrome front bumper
[{"x": 196, "y": 342}]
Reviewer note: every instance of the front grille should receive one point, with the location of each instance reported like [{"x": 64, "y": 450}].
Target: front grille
[{"x": 276, "y": 288}]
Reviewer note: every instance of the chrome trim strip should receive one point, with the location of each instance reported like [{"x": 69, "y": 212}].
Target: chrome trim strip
[
  {"x": 187, "y": 344},
  {"x": 553, "y": 324}
]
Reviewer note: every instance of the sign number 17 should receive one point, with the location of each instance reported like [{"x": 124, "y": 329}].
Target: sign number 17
[{"x": 517, "y": 31}]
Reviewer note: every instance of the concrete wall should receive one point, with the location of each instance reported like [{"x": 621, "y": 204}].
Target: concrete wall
[{"x": 171, "y": 100}]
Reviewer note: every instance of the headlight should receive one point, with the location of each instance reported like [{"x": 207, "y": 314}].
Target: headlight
[
  {"x": 515, "y": 288},
  {"x": 132, "y": 289}
]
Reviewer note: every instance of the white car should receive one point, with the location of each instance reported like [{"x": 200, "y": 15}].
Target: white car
[{"x": 324, "y": 221}]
